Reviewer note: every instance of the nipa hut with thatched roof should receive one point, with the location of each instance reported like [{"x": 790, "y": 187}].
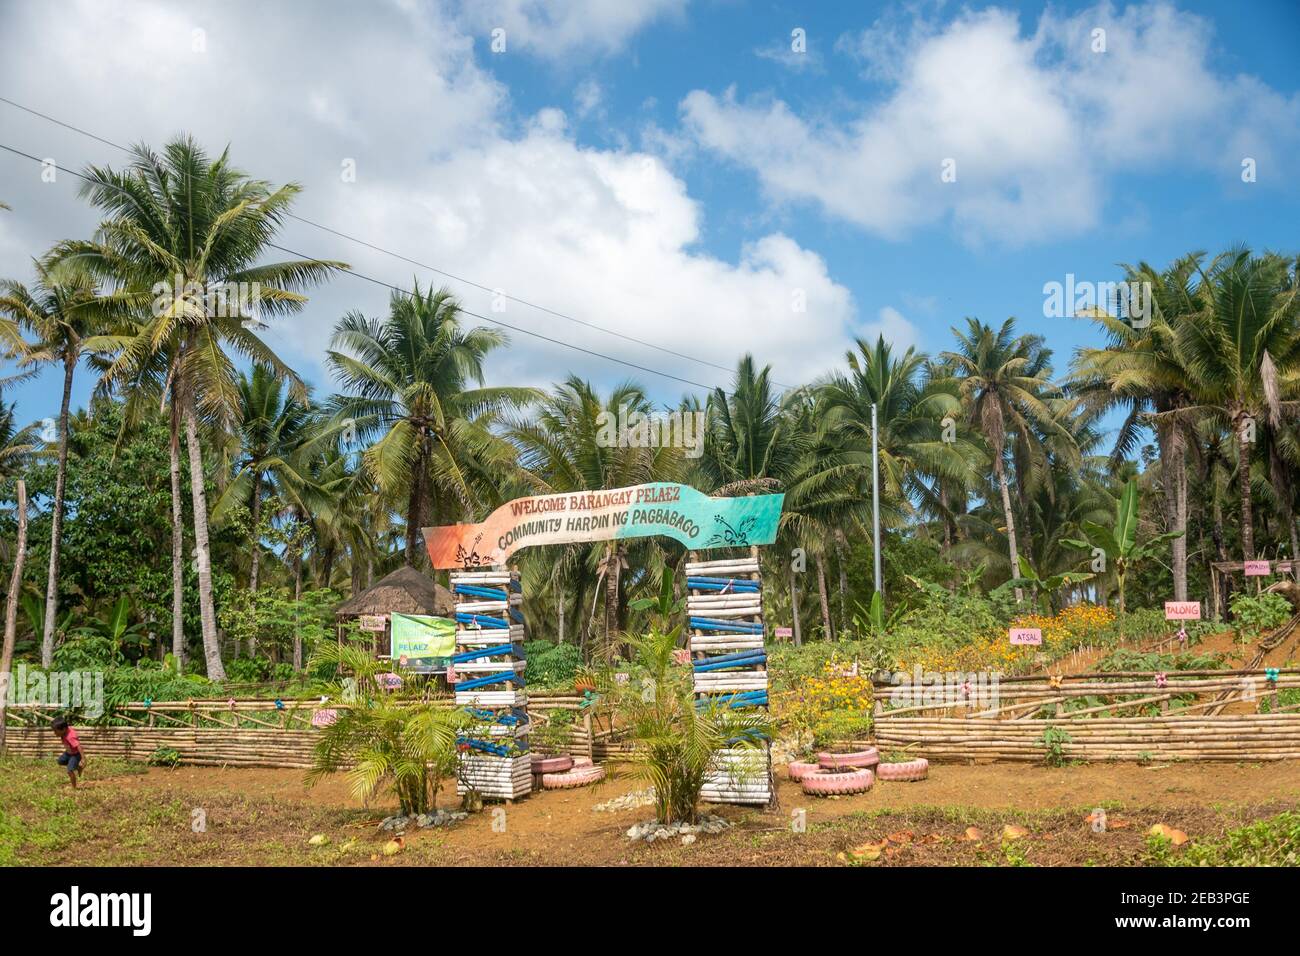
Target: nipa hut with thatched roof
[{"x": 404, "y": 591}]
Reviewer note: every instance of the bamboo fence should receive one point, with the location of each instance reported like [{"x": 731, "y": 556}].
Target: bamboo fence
[{"x": 203, "y": 733}]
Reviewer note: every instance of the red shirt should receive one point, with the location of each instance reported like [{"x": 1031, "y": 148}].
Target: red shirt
[{"x": 71, "y": 742}]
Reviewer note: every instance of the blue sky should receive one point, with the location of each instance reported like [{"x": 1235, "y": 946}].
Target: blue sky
[{"x": 675, "y": 171}]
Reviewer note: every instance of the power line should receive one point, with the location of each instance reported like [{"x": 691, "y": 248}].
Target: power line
[
  {"x": 399, "y": 289},
  {"x": 415, "y": 262}
]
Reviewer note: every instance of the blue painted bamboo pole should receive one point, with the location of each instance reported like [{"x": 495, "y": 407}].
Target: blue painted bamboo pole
[
  {"x": 731, "y": 665},
  {"x": 479, "y": 591},
  {"x": 482, "y": 620},
  {"x": 501, "y": 678},
  {"x": 709, "y": 624},
  {"x": 485, "y": 652}
]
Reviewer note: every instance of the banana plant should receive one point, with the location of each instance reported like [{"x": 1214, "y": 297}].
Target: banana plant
[{"x": 1119, "y": 545}]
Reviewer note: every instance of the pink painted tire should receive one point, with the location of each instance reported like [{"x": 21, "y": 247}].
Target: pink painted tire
[
  {"x": 859, "y": 759},
  {"x": 580, "y": 762},
  {"x": 917, "y": 769},
  {"x": 578, "y": 777},
  {"x": 798, "y": 769},
  {"x": 828, "y": 783},
  {"x": 556, "y": 764}
]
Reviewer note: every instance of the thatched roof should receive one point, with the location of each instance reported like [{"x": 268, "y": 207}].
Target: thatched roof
[{"x": 405, "y": 591}]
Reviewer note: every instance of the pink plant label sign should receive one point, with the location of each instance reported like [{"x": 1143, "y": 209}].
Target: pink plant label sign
[
  {"x": 1027, "y": 635},
  {"x": 1182, "y": 610},
  {"x": 785, "y": 632},
  {"x": 1257, "y": 569}
]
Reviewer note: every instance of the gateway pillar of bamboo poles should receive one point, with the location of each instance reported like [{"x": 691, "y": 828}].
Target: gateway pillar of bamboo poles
[
  {"x": 724, "y": 608},
  {"x": 493, "y": 759}
]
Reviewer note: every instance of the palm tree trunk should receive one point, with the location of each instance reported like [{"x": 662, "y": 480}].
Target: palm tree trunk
[
  {"x": 254, "y": 561},
  {"x": 1011, "y": 524},
  {"x": 327, "y": 565},
  {"x": 614, "y": 559},
  {"x": 840, "y": 551},
  {"x": 415, "y": 507},
  {"x": 202, "y": 548},
  {"x": 178, "y": 543},
  {"x": 11, "y": 609},
  {"x": 559, "y": 608},
  {"x": 56, "y": 520},
  {"x": 1243, "y": 479},
  {"x": 947, "y": 523},
  {"x": 794, "y": 610},
  {"x": 821, "y": 590},
  {"x": 297, "y": 596},
  {"x": 1174, "y": 468}
]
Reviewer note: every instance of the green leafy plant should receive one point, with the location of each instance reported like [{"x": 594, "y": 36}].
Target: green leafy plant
[
  {"x": 1254, "y": 614},
  {"x": 1054, "y": 740},
  {"x": 383, "y": 739},
  {"x": 550, "y": 664},
  {"x": 164, "y": 757}
]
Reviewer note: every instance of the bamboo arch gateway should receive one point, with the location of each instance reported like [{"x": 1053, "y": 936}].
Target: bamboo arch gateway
[{"x": 725, "y": 609}]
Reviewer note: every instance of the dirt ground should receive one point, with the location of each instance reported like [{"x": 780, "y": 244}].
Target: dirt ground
[{"x": 266, "y": 817}]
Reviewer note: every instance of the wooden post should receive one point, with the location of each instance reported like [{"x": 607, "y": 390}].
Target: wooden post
[{"x": 11, "y": 609}]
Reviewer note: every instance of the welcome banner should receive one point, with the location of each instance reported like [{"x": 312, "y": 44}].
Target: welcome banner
[{"x": 659, "y": 508}]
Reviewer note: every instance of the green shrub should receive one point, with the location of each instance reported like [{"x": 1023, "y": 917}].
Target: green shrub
[
  {"x": 842, "y": 725},
  {"x": 550, "y": 664},
  {"x": 165, "y": 757},
  {"x": 1253, "y": 614},
  {"x": 248, "y": 670}
]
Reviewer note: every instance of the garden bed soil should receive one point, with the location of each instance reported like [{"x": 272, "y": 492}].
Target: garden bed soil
[{"x": 266, "y": 817}]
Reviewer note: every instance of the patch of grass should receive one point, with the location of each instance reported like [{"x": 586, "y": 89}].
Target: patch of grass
[
  {"x": 39, "y": 813},
  {"x": 1273, "y": 841}
]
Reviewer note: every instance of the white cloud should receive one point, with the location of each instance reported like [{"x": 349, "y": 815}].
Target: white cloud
[
  {"x": 894, "y": 326},
  {"x": 446, "y": 174},
  {"x": 556, "y": 29},
  {"x": 1035, "y": 122},
  {"x": 587, "y": 98}
]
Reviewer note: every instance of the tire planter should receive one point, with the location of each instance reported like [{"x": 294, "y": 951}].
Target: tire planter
[
  {"x": 798, "y": 769},
  {"x": 577, "y": 777},
  {"x": 917, "y": 769},
  {"x": 829, "y": 783},
  {"x": 556, "y": 764},
  {"x": 581, "y": 762},
  {"x": 859, "y": 759}
]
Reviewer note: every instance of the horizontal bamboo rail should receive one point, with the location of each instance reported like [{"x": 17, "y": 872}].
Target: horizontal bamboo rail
[
  {"x": 178, "y": 726},
  {"x": 1233, "y": 737}
]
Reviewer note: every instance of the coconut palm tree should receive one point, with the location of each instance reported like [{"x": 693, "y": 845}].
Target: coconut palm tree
[
  {"x": 1140, "y": 371},
  {"x": 62, "y": 310},
  {"x": 1242, "y": 352},
  {"x": 411, "y": 380},
  {"x": 1004, "y": 382},
  {"x": 921, "y": 449},
  {"x": 191, "y": 230}
]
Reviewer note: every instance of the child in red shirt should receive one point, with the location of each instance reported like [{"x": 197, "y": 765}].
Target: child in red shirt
[{"x": 72, "y": 757}]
